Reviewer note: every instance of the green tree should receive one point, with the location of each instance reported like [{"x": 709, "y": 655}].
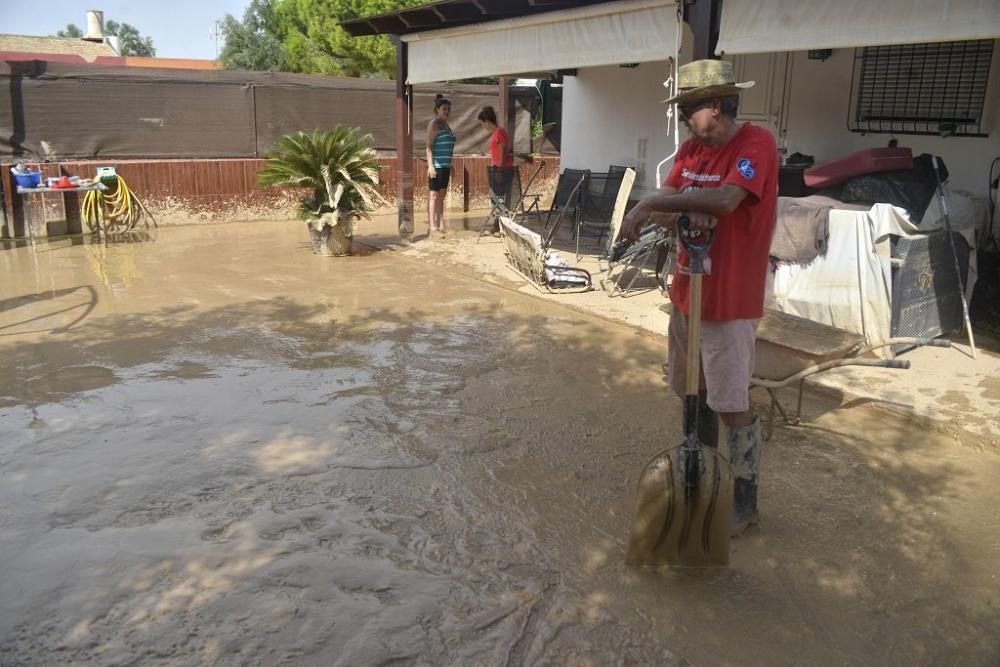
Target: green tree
[
  {"x": 314, "y": 42},
  {"x": 132, "y": 42},
  {"x": 255, "y": 42},
  {"x": 70, "y": 31}
]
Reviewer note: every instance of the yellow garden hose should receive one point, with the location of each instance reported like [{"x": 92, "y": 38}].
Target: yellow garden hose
[{"x": 117, "y": 210}]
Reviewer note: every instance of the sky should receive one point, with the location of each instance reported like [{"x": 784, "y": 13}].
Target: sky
[{"x": 179, "y": 28}]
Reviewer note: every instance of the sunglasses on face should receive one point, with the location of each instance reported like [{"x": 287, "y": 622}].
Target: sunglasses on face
[{"x": 685, "y": 111}]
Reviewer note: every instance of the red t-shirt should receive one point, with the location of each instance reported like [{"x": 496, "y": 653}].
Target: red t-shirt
[
  {"x": 500, "y": 141},
  {"x": 734, "y": 290}
]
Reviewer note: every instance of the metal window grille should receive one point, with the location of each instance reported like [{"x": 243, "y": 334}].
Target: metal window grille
[{"x": 936, "y": 89}]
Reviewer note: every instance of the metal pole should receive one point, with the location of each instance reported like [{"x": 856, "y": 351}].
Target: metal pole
[{"x": 954, "y": 256}]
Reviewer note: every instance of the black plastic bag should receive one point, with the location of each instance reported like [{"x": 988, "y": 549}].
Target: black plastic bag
[
  {"x": 911, "y": 189},
  {"x": 984, "y": 310}
]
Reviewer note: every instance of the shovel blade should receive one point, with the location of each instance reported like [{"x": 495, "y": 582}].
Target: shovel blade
[{"x": 681, "y": 526}]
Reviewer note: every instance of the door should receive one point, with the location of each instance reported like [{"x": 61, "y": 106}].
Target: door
[{"x": 764, "y": 103}]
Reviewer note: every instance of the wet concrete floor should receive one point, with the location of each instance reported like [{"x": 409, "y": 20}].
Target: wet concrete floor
[{"x": 216, "y": 448}]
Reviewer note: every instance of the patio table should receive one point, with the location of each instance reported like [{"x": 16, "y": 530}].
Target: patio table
[{"x": 28, "y": 216}]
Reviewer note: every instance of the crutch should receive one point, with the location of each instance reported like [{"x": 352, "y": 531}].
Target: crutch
[{"x": 954, "y": 256}]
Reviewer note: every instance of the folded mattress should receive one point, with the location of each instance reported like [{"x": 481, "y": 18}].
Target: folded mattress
[{"x": 868, "y": 161}]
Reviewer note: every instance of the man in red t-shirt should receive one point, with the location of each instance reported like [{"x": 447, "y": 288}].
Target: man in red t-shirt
[{"x": 724, "y": 177}]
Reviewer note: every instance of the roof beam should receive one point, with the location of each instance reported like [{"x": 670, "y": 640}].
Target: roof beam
[
  {"x": 452, "y": 13},
  {"x": 419, "y": 19}
]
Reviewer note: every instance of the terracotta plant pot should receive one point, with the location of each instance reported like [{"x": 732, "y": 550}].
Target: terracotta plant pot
[{"x": 329, "y": 240}]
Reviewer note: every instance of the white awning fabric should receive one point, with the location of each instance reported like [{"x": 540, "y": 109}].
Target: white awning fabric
[
  {"x": 628, "y": 31},
  {"x": 769, "y": 26}
]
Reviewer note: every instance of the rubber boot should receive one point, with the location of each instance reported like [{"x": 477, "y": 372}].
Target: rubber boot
[
  {"x": 744, "y": 457},
  {"x": 708, "y": 425}
]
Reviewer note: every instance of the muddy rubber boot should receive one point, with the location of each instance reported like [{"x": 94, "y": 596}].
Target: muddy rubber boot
[
  {"x": 708, "y": 426},
  {"x": 744, "y": 457}
]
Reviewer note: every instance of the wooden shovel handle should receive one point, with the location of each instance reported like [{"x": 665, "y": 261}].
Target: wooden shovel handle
[{"x": 694, "y": 336}]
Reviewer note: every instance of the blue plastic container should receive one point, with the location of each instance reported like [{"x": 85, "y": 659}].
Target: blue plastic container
[{"x": 30, "y": 180}]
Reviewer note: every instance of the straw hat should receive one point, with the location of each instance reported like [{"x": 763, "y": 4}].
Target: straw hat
[{"x": 702, "y": 79}]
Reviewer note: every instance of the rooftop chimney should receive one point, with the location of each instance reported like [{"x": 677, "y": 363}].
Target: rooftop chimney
[{"x": 95, "y": 26}]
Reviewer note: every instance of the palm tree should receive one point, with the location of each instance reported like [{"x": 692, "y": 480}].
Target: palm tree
[{"x": 342, "y": 169}]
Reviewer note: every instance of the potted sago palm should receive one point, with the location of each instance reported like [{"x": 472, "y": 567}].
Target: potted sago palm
[{"x": 341, "y": 168}]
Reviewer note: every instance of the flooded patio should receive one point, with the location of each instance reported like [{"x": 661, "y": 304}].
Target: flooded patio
[{"x": 217, "y": 448}]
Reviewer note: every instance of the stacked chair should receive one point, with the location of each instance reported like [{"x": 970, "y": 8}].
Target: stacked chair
[
  {"x": 508, "y": 198},
  {"x": 602, "y": 193}
]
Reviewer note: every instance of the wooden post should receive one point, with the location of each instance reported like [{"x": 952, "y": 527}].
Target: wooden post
[
  {"x": 503, "y": 108},
  {"x": 404, "y": 142},
  {"x": 465, "y": 187},
  {"x": 704, "y": 16}
]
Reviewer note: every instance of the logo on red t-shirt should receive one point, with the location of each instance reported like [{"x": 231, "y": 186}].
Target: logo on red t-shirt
[{"x": 745, "y": 168}]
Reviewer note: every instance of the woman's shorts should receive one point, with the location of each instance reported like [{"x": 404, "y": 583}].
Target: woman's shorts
[{"x": 439, "y": 182}]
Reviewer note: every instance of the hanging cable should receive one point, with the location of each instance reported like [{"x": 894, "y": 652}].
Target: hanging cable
[{"x": 671, "y": 85}]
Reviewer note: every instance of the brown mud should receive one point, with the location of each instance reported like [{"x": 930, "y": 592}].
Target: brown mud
[{"x": 217, "y": 448}]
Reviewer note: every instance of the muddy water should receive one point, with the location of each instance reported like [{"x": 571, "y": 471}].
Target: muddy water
[{"x": 216, "y": 448}]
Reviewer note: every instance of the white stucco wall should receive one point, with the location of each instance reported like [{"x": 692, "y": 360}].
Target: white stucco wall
[{"x": 607, "y": 111}]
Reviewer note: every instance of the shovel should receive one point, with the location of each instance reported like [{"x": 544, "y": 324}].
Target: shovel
[{"x": 684, "y": 501}]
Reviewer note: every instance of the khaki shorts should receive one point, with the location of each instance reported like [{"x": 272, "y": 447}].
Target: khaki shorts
[{"x": 727, "y": 358}]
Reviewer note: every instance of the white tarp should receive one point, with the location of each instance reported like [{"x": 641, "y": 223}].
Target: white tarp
[
  {"x": 768, "y": 26},
  {"x": 850, "y": 287},
  {"x": 629, "y": 31}
]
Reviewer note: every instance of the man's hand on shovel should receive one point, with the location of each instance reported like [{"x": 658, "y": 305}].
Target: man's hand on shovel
[{"x": 639, "y": 216}]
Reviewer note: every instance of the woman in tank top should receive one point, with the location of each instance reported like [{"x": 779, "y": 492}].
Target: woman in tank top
[{"x": 440, "y": 148}]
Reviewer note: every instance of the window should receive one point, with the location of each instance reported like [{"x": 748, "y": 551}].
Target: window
[{"x": 936, "y": 89}]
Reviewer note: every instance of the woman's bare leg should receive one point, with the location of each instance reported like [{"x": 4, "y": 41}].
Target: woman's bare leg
[
  {"x": 439, "y": 211},
  {"x": 431, "y": 197}
]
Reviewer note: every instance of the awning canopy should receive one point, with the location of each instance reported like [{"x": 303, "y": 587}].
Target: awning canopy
[
  {"x": 609, "y": 33},
  {"x": 755, "y": 26},
  {"x": 453, "y": 13}
]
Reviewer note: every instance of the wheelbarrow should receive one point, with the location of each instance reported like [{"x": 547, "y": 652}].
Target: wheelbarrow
[{"x": 789, "y": 349}]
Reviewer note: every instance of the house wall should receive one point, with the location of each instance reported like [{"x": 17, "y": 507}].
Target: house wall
[
  {"x": 816, "y": 120},
  {"x": 608, "y": 112}
]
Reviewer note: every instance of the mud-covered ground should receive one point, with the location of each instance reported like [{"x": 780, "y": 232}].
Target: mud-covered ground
[{"x": 216, "y": 448}]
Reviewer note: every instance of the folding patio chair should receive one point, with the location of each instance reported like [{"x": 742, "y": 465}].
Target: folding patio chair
[
  {"x": 529, "y": 203},
  {"x": 568, "y": 181},
  {"x": 529, "y": 256},
  {"x": 501, "y": 182},
  {"x": 620, "y": 209},
  {"x": 599, "y": 198},
  {"x": 604, "y": 193},
  {"x": 654, "y": 241}
]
